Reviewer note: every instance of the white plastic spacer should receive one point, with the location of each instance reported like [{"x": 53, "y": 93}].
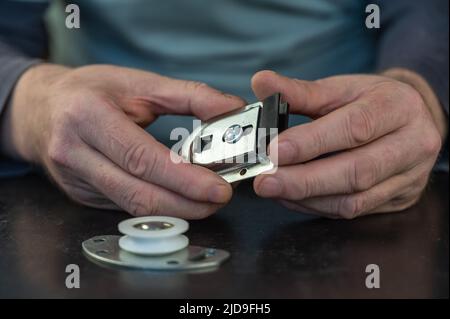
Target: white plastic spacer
[{"x": 153, "y": 235}]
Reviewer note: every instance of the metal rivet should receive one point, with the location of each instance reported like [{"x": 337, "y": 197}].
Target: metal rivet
[
  {"x": 233, "y": 134},
  {"x": 153, "y": 226}
]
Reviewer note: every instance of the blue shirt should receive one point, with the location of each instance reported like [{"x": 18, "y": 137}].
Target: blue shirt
[{"x": 222, "y": 43}]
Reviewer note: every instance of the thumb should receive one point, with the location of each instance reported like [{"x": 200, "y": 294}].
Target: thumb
[
  {"x": 311, "y": 98},
  {"x": 199, "y": 99},
  {"x": 164, "y": 95}
]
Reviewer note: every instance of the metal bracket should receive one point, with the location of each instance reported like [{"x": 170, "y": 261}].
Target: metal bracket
[
  {"x": 106, "y": 250},
  {"x": 234, "y": 144}
]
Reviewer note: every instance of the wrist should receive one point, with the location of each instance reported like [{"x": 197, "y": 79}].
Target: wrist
[
  {"x": 25, "y": 119},
  {"x": 431, "y": 101}
]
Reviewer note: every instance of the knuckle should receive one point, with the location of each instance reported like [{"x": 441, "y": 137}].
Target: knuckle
[
  {"x": 106, "y": 182},
  {"x": 129, "y": 201},
  {"x": 320, "y": 143},
  {"x": 312, "y": 186},
  {"x": 360, "y": 126},
  {"x": 59, "y": 150},
  {"x": 413, "y": 100},
  {"x": 350, "y": 207},
  {"x": 196, "y": 86},
  {"x": 303, "y": 86},
  {"x": 432, "y": 143},
  {"x": 384, "y": 91},
  {"x": 305, "y": 188},
  {"x": 76, "y": 111},
  {"x": 306, "y": 89},
  {"x": 134, "y": 202},
  {"x": 195, "y": 89},
  {"x": 422, "y": 179},
  {"x": 152, "y": 204},
  {"x": 363, "y": 173},
  {"x": 418, "y": 184},
  {"x": 139, "y": 160},
  {"x": 404, "y": 202},
  {"x": 84, "y": 108}
]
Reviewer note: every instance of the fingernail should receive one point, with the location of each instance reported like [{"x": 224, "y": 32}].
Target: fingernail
[
  {"x": 219, "y": 194},
  {"x": 269, "y": 187}
]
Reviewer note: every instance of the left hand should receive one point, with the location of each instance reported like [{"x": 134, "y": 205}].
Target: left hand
[{"x": 380, "y": 136}]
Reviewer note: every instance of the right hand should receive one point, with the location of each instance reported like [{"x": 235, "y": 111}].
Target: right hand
[{"x": 85, "y": 127}]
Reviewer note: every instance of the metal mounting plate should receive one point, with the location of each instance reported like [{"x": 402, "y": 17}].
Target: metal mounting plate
[
  {"x": 106, "y": 250},
  {"x": 234, "y": 145}
]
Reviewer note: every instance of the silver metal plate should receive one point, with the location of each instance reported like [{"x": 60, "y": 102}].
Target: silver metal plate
[
  {"x": 106, "y": 250},
  {"x": 248, "y": 171},
  {"x": 220, "y": 150}
]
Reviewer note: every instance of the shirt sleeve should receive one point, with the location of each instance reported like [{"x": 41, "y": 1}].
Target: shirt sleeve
[
  {"x": 414, "y": 35},
  {"x": 23, "y": 42}
]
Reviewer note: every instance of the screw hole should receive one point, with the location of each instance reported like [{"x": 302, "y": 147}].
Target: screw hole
[
  {"x": 99, "y": 240},
  {"x": 243, "y": 172},
  {"x": 172, "y": 262},
  {"x": 210, "y": 252}
]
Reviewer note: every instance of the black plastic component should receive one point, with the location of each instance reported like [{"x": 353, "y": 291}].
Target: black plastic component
[{"x": 273, "y": 119}]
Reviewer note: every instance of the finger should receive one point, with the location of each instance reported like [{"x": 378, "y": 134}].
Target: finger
[
  {"x": 78, "y": 190},
  {"x": 91, "y": 198},
  {"x": 344, "y": 173},
  {"x": 132, "y": 194},
  {"x": 311, "y": 98},
  {"x": 296, "y": 206},
  {"x": 351, "y": 126},
  {"x": 394, "y": 194},
  {"x": 193, "y": 98},
  {"x": 165, "y": 95},
  {"x": 138, "y": 153}
]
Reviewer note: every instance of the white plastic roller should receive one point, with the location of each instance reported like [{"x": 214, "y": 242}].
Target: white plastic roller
[{"x": 153, "y": 235}]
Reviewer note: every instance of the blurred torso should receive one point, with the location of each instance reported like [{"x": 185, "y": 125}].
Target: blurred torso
[{"x": 221, "y": 43}]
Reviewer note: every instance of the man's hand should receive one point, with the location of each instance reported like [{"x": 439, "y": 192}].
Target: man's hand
[
  {"x": 85, "y": 127},
  {"x": 370, "y": 148}
]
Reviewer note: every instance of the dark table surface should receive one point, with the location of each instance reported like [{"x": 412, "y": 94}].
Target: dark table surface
[{"x": 275, "y": 253}]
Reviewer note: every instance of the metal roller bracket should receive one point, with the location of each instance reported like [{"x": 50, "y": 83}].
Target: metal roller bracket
[{"x": 106, "y": 250}]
